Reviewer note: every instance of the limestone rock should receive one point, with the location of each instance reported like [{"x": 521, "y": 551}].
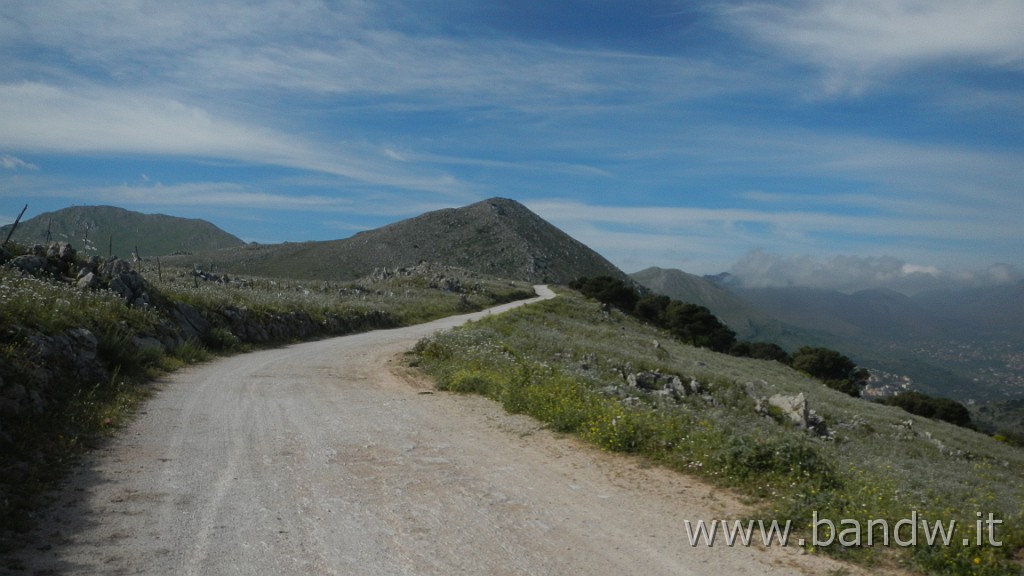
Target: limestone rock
[{"x": 794, "y": 407}]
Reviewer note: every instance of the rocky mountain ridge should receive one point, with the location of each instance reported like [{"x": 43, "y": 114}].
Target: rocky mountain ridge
[{"x": 497, "y": 237}]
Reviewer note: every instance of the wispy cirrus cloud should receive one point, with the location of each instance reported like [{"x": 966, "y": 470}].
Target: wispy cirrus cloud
[
  {"x": 47, "y": 119},
  {"x": 348, "y": 48},
  {"x": 710, "y": 238},
  {"x": 855, "y": 44},
  {"x": 9, "y": 162}
]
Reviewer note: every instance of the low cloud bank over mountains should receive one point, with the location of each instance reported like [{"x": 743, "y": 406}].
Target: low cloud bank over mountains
[{"x": 759, "y": 269}]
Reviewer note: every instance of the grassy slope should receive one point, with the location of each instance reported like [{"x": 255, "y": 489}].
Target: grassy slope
[{"x": 553, "y": 360}]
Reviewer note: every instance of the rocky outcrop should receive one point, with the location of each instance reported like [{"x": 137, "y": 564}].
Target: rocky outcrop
[
  {"x": 792, "y": 409},
  {"x": 189, "y": 321},
  {"x": 55, "y": 259},
  {"x": 664, "y": 384},
  {"x": 47, "y": 364},
  {"x": 121, "y": 279}
]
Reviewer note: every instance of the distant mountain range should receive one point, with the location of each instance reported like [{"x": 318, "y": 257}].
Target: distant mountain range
[
  {"x": 963, "y": 343},
  {"x": 106, "y": 230},
  {"x": 498, "y": 237}
]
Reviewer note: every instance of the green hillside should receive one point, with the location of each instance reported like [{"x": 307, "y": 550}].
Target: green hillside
[{"x": 106, "y": 230}]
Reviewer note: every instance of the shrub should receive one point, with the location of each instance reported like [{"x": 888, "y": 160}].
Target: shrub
[
  {"x": 761, "y": 351},
  {"x": 611, "y": 291},
  {"x": 834, "y": 369},
  {"x": 931, "y": 407}
]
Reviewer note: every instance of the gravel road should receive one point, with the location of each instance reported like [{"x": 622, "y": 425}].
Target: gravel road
[{"x": 332, "y": 457}]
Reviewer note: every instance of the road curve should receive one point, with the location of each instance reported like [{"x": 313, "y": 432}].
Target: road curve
[{"x": 333, "y": 458}]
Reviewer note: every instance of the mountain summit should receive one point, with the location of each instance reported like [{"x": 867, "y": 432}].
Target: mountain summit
[{"x": 498, "y": 237}]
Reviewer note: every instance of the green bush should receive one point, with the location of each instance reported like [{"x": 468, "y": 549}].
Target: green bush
[{"x": 922, "y": 404}]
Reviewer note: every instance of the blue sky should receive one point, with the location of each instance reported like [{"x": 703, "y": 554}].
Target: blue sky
[{"x": 705, "y": 136}]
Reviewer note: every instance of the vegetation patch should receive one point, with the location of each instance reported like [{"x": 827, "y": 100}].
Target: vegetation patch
[{"x": 628, "y": 386}]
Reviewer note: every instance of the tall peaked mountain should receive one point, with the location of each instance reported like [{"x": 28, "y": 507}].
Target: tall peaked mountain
[
  {"x": 498, "y": 237},
  {"x": 105, "y": 229}
]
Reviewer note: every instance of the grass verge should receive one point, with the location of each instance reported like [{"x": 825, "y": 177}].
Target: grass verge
[{"x": 565, "y": 362}]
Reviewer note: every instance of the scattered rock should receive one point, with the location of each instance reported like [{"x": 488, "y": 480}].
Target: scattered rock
[{"x": 664, "y": 385}]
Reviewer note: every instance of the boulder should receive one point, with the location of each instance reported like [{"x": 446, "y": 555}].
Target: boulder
[
  {"x": 84, "y": 357},
  {"x": 30, "y": 264},
  {"x": 793, "y": 407},
  {"x": 89, "y": 281},
  {"x": 61, "y": 251},
  {"x": 190, "y": 321},
  {"x": 148, "y": 343},
  {"x": 125, "y": 282}
]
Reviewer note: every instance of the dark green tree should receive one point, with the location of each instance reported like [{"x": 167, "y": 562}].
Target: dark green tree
[
  {"x": 831, "y": 367},
  {"x": 823, "y": 363},
  {"x": 652, "y": 309},
  {"x": 931, "y": 407},
  {"x": 761, "y": 351},
  {"x": 611, "y": 291},
  {"x": 698, "y": 326}
]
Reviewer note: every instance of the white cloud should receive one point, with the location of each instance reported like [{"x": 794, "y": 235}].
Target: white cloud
[
  {"x": 759, "y": 269},
  {"x": 348, "y": 48},
  {"x": 909, "y": 269},
  {"x": 214, "y": 194},
  {"x": 763, "y": 225},
  {"x": 45, "y": 118},
  {"x": 708, "y": 240},
  {"x": 9, "y": 162},
  {"x": 854, "y": 43}
]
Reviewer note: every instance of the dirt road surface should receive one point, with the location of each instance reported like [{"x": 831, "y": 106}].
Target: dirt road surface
[{"x": 334, "y": 458}]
